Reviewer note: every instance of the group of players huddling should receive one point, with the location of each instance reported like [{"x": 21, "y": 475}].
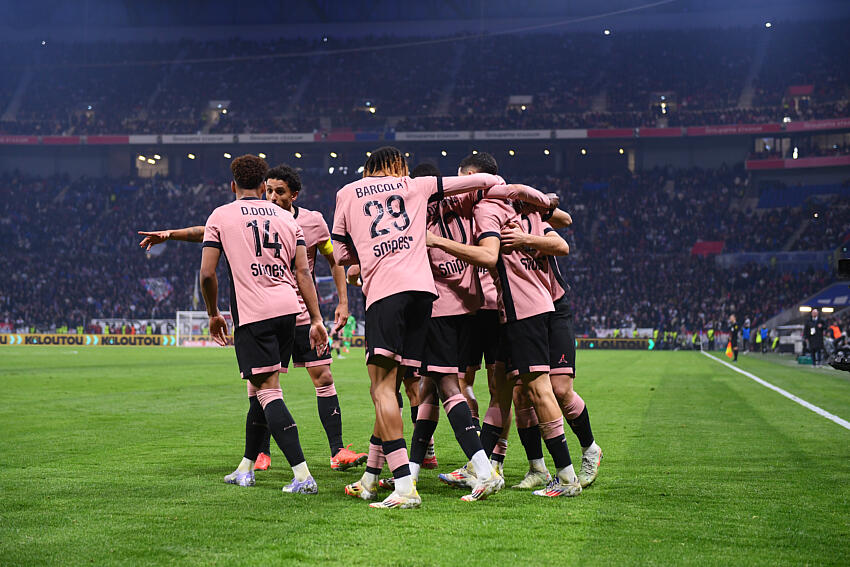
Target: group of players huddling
[{"x": 453, "y": 269}]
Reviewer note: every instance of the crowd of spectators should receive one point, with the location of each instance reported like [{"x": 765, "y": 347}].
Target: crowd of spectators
[
  {"x": 72, "y": 250},
  {"x": 578, "y": 80}
]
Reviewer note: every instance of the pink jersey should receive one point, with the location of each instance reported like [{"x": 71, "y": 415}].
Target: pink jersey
[
  {"x": 315, "y": 233},
  {"x": 523, "y": 293},
  {"x": 458, "y": 287},
  {"x": 258, "y": 240},
  {"x": 557, "y": 285},
  {"x": 532, "y": 223},
  {"x": 489, "y": 294},
  {"x": 380, "y": 223}
]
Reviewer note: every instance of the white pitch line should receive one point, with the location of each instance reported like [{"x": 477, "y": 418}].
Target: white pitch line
[{"x": 820, "y": 411}]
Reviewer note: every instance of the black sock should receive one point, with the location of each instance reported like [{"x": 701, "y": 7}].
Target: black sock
[
  {"x": 461, "y": 420},
  {"x": 581, "y": 427},
  {"x": 530, "y": 439},
  {"x": 395, "y": 445},
  {"x": 375, "y": 440},
  {"x": 285, "y": 431},
  {"x": 557, "y": 447},
  {"x": 400, "y": 400},
  {"x": 423, "y": 430},
  {"x": 331, "y": 417},
  {"x": 414, "y": 413},
  {"x": 266, "y": 446},
  {"x": 477, "y": 423},
  {"x": 256, "y": 429},
  {"x": 489, "y": 437}
]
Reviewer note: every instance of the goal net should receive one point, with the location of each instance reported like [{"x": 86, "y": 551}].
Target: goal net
[{"x": 193, "y": 328}]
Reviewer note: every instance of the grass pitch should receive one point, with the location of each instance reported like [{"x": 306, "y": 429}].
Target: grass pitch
[{"x": 116, "y": 456}]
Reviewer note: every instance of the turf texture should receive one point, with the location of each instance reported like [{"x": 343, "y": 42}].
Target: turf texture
[{"x": 116, "y": 456}]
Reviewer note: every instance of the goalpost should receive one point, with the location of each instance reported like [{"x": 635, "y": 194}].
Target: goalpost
[{"x": 193, "y": 328}]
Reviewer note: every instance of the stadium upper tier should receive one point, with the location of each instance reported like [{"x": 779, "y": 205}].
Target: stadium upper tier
[
  {"x": 72, "y": 250},
  {"x": 577, "y": 80}
]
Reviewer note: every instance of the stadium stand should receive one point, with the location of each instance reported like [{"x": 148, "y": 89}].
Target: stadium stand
[
  {"x": 631, "y": 244},
  {"x": 581, "y": 80}
]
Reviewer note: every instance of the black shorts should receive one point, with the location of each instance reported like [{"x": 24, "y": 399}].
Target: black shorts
[
  {"x": 562, "y": 339},
  {"x": 524, "y": 345},
  {"x": 397, "y": 327},
  {"x": 264, "y": 346},
  {"x": 303, "y": 355},
  {"x": 484, "y": 339},
  {"x": 448, "y": 345}
]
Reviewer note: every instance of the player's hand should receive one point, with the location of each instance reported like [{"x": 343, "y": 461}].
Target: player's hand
[
  {"x": 513, "y": 237},
  {"x": 218, "y": 329},
  {"x": 353, "y": 275},
  {"x": 554, "y": 201},
  {"x": 319, "y": 337},
  {"x": 153, "y": 238},
  {"x": 340, "y": 317}
]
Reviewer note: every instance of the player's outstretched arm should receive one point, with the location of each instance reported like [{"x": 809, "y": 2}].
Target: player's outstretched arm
[
  {"x": 318, "y": 333},
  {"x": 338, "y": 272},
  {"x": 466, "y": 183},
  {"x": 483, "y": 254},
  {"x": 551, "y": 244},
  {"x": 190, "y": 234},
  {"x": 559, "y": 219},
  {"x": 519, "y": 192},
  {"x": 209, "y": 289}
]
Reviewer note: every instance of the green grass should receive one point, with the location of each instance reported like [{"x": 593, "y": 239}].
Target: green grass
[{"x": 115, "y": 456}]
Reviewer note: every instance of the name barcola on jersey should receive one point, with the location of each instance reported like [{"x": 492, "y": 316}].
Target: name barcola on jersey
[{"x": 368, "y": 190}]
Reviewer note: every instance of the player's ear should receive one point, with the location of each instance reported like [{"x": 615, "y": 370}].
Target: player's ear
[
  {"x": 295, "y": 196},
  {"x": 233, "y": 186}
]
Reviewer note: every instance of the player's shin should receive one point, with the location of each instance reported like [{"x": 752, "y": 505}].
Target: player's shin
[
  {"x": 461, "y": 421},
  {"x": 396, "y": 454},
  {"x": 426, "y": 424},
  {"x": 330, "y": 415},
  {"x": 578, "y": 418},
  {"x": 284, "y": 430},
  {"x": 491, "y": 430}
]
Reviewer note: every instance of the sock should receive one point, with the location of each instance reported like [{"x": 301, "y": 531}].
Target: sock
[
  {"x": 461, "y": 420},
  {"x": 375, "y": 462},
  {"x": 567, "y": 474},
  {"x": 256, "y": 430},
  {"x": 330, "y": 416},
  {"x": 414, "y": 411},
  {"x": 246, "y": 465},
  {"x": 266, "y": 445},
  {"x": 489, "y": 437},
  {"x": 499, "y": 451},
  {"x": 400, "y": 400},
  {"x": 581, "y": 428},
  {"x": 537, "y": 464},
  {"x": 556, "y": 442},
  {"x": 396, "y": 453},
  {"x": 481, "y": 465},
  {"x": 423, "y": 430},
  {"x": 414, "y": 470},
  {"x": 282, "y": 426},
  {"x": 530, "y": 439},
  {"x": 476, "y": 422},
  {"x": 301, "y": 471}
]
